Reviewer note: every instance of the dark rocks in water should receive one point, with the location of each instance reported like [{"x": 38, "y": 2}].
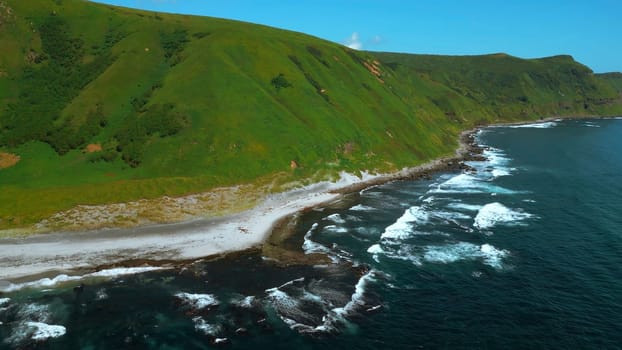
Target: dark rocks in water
[
  {"x": 79, "y": 288},
  {"x": 373, "y": 308},
  {"x": 264, "y": 325},
  {"x": 361, "y": 270}
]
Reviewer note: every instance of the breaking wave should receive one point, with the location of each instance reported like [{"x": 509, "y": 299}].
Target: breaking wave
[
  {"x": 465, "y": 251},
  {"x": 310, "y": 308},
  {"x": 63, "y": 278},
  {"x": 496, "y": 213},
  {"x": 402, "y": 228},
  {"x": 247, "y": 302},
  {"x": 541, "y": 125},
  {"x": 361, "y": 207},
  {"x": 398, "y": 251},
  {"x": 32, "y": 321},
  {"x": 467, "y": 183},
  {"x": 198, "y": 301},
  {"x": 43, "y": 331},
  {"x": 335, "y": 229},
  {"x": 310, "y": 246},
  {"x": 336, "y": 218}
]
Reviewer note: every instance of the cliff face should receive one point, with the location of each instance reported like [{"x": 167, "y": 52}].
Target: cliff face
[{"x": 180, "y": 104}]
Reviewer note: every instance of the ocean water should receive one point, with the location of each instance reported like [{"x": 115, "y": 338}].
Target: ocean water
[{"x": 523, "y": 252}]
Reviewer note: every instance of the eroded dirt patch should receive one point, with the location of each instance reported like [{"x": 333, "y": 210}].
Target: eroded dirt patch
[
  {"x": 7, "y": 160},
  {"x": 93, "y": 147}
]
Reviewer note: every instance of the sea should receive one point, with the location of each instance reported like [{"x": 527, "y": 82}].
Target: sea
[{"x": 521, "y": 251}]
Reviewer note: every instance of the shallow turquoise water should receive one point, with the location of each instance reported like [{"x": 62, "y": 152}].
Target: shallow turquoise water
[{"x": 524, "y": 252}]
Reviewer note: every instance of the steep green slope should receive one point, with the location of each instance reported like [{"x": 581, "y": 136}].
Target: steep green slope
[
  {"x": 502, "y": 87},
  {"x": 614, "y": 78},
  {"x": 180, "y": 104}
]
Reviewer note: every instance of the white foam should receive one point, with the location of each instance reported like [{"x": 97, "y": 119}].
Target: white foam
[
  {"x": 498, "y": 172},
  {"x": 466, "y": 183},
  {"x": 281, "y": 299},
  {"x": 495, "y": 157},
  {"x": 122, "y": 271},
  {"x": 63, "y": 278},
  {"x": 461, "y": 181},
  {"x": 312, "y": 297},
  {"x": 495, "y": 213},
  {"x": 357, "y": 297},
  {"x": 450, "y": 215},
  {"x": 44, "y": 331},
  {"x": 465, "y": 251},
  {"x": 367, "y": 231},
  {"x": 541, "y": 125},
  {"x": 101, "y": 294},
  {"x": 492, "y": 255},
  {"x": 463, "y": 206},
  {"x": 361, "y": 207},
  {"x": 336, "y": 218},
  {"x": 4, "y": 301},
  {"x": 42, "y": 283},
  {"x": 246, "y": 302},
  {"x": 373, "y": 308},
  {"x": 311, "y": 247},
  {"x": 207, "y": 328},
  {"x": 428, "y": 199},
  {"x": 33, "y": 312},
  {"x": 375, "y": 249},
  {"x": 403, "y": 227},
  {"x": 352, "y": 218},
  {"x": 450, "y": 253},
  {"x": 335, "y": 229},
  {"x": 31, "y": 322},
  {"x": 289, "y": 283},
  {"x": 399, "y": 252},
  {"x": 198, "y": 301}
]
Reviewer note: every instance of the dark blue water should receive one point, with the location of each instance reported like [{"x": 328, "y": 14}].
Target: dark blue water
[{"x": 523, "y": 252}]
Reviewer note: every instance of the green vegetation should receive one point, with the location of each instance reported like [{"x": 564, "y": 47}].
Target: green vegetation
[
  {"x": 279, "y": 82},
  {"x": 182, "y": 104},
  {"x": 614, "y": 78}
]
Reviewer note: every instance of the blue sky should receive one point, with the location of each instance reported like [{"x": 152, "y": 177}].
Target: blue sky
[{"x": 589, "y": 30}]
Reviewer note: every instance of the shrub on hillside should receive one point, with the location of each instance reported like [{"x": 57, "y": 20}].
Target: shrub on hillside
[
  {"x": 161, "y": 120},
  {"x": 280, "y": 82}
]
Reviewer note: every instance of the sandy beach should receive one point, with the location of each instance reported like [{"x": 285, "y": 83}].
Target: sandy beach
[
  {"x": 51, "y": 254},
  {"x": 56, "y": 253}
]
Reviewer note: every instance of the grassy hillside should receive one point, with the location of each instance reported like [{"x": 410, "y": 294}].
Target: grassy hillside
[
  {"x": 614, "y": 78},
  {"x": 502, "y": 87},
  {"x": 102, "y": 104}
]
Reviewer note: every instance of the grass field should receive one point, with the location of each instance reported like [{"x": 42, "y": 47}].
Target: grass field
[{"x": 184, "y": 104}]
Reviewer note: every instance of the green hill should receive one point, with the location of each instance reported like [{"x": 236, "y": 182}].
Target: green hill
[
  {"x": 172, "y": 104},
  {"x": 614, "y": 78}
]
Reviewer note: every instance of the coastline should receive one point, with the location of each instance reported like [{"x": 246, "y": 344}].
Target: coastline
[{"x": 53, "y": 254}]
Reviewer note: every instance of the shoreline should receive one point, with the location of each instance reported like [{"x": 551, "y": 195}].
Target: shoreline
[{"x": 52, "y": 254}]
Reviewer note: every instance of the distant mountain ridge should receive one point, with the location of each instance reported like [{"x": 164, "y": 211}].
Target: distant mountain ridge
[{"x": 101, "y": 104}]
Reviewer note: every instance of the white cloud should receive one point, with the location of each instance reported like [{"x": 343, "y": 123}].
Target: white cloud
[
  {"x": 354, "y": 42},
  {"x": 376, "y": 39}
]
